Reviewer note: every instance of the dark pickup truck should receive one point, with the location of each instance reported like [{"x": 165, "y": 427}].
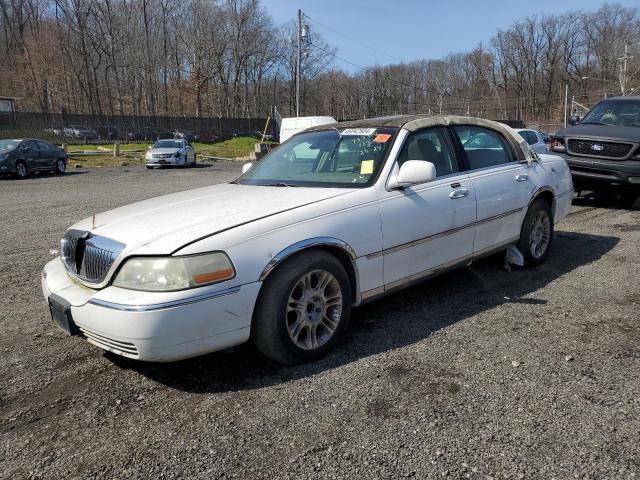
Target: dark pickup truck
[{"x": 603, "y": 148}]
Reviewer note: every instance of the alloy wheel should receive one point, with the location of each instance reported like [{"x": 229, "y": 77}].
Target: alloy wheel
[
  {"x": 540, "y": 234},
  {"x": 21, "y": 170},
  {"x": 314, "y": 309}
]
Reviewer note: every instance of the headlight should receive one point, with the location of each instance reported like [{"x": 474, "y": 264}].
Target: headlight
[
  {"x": 165, "y": 274},
  {"x": 557, "y": 145}
]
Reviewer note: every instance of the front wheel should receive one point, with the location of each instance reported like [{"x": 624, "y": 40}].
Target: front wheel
[
  {"x": 21, "y": 169},
  {"x": 61, "y": 166},
  {"x": 536, "y": 233},
  {"x": 303, "y": 309}
]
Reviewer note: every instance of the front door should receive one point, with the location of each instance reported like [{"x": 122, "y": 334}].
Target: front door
[
  {"x": 31, "y": 154},
  {"x": 503, "y": 186},
  {"x": 429, "y": 226}
]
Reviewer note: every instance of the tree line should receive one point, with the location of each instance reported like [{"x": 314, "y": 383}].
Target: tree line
[{"x": 227, "y": 58}]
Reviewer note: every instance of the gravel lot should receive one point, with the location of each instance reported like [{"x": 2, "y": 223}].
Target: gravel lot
[{"x": 480, "y": 373}]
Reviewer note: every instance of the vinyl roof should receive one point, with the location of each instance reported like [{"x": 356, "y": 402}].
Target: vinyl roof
[{"x": 412, "y": 122}]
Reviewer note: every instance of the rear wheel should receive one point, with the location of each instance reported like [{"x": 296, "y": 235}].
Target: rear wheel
[
  {"x": 303, "y": 309},
  {"x": 61, "y": 166},
  {"x": 21, "y": 169},
  {"x": 536, "y": 233}
]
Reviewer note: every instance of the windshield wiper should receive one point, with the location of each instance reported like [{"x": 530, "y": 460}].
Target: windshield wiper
[
  {"x": 593, "y": 123},
  {"x": 280, "y": 184}
]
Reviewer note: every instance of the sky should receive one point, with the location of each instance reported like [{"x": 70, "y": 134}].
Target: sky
[{"x": 406, "y": 30}]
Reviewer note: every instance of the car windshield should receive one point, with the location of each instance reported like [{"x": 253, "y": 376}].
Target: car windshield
[
  {"x": 349, "y": 157},
  {"x": 8, "y": 145},
  {"x": 624, "y": 113},
  {"x": 168, "y": 144}
]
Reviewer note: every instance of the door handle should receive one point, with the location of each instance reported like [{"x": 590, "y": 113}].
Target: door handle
[
  {"x": 463, "y": 192},
  {"x": 523, "y": 177}
]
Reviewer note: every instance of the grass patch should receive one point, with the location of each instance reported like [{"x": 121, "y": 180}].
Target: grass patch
[{"x": 233, "y": 148}]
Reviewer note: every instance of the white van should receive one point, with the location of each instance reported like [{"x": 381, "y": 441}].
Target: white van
[{"x": 293, "y": 125}]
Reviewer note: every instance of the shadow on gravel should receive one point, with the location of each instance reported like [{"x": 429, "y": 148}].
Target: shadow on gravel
[
  {"x": 36, "y": 175},
  {"x": 394, "y": 322}
]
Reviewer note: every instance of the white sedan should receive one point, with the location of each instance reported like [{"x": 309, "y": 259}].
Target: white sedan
[
  {"x": 165, "y": 153},
  {"x": 337, "y": 216}
]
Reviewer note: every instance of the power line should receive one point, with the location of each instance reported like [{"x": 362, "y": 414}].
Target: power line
[{"x": 354, "y": 40}]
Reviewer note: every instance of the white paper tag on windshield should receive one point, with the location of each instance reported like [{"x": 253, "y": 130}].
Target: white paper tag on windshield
[{"x": 358, "y": 131}]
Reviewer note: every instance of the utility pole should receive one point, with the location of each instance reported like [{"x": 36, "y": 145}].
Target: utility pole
[
  {"x": 566, "y": 98},
  {"x": 299, "y": 61}
]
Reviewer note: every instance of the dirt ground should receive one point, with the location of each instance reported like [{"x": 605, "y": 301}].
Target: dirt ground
[{"x": 480, "y": 373}]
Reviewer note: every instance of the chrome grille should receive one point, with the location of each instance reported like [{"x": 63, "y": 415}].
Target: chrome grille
[
  {"x": 162, "y": 155},
  {"x": 595, "y": 148},
  {"x": 126, "y": 349},
  {"x": 87, "y": 256}
]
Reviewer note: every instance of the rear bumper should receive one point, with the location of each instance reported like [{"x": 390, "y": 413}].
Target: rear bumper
[{"x": 599, "y": 173}]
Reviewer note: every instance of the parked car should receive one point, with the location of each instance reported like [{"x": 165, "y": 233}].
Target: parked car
[
  {"x": 186, "y": 135},
  {"x": 173, "y": 152},
  {"x": 337, "y": 216},
  {"x": 534, "y": 138},
  {"x": 208, "y": 137},
  {"x": 133, "y": 135},
  {"x": 106, "y": 132},
  {"x": 545, "y": 136},
  {"x": 603, "y": 148},
  {"x": 24, "y": 156},
  {"x": 55, "y": 130},
  {"x": 80, "y": 132}
]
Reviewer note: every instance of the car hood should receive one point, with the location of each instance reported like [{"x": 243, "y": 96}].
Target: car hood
[
  {"x": 614, "y": 132},
  {"x": 164, "y": 224},
  {"x": 164, "y": 150}
]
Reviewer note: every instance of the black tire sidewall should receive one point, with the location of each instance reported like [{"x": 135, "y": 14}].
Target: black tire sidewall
[
  {"x": 26, "y": 171},
  {"x": 270, "y": 331},
  {"x": 525, "y": 233}
]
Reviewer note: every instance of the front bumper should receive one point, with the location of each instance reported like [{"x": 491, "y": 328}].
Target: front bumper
[
  {"x": 598, "y": 172},
  {"x": 166, "y": 162},
  {"x": 159, "y": 327}
]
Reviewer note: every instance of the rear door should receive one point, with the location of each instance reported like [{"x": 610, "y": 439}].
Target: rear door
[
  {"x": 502, "y": 184},
  {"x": 47, "y": 154}
]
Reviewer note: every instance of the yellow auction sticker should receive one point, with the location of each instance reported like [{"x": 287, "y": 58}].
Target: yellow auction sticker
[{"x": 366, "y": 167}]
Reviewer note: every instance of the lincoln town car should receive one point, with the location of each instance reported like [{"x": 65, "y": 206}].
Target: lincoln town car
[{"x": 339, "y": 215}]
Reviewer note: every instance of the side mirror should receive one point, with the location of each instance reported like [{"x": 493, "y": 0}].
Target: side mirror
[
  {"x": 574, "y": 119},
  {"x": 413, "y": 172},
  {"x": 246, "y": 167}
]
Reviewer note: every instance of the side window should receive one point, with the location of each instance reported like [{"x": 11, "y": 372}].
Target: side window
[
  {"x": 483, "y": 147},
  {"x": 529, "y": 136},
  {"x": 44, "y": 145},
  {"x": 432, "y": 146},
  {"x": 30, "y": 144}
]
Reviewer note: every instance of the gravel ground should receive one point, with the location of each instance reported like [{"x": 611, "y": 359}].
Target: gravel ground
[{"x": 480, "y": 373}]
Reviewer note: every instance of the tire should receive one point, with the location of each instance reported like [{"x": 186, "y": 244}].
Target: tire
[
  {"x": 149, "y": 167},
  {"x": 286, "y": 334},
  {"x": 21, "y": 169},
  {"x": 536, "y": 234},
  {"x": 61, "y": 166}
]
